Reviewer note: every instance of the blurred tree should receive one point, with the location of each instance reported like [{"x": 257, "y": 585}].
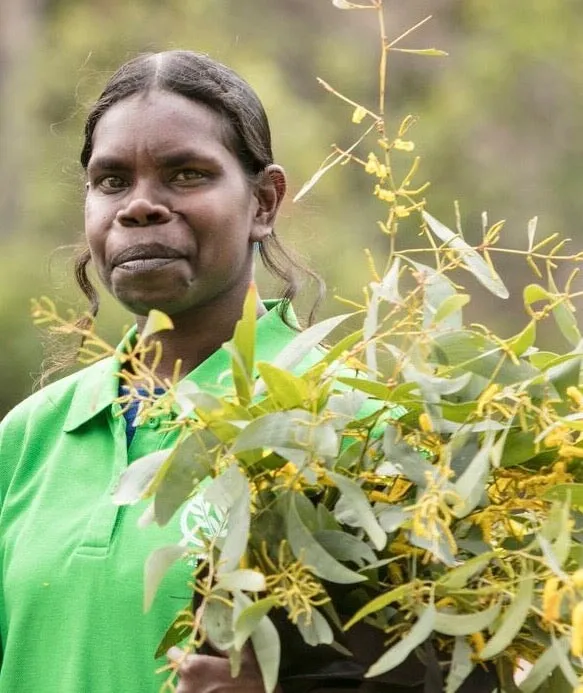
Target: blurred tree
[{"x": 499, "y": 124}]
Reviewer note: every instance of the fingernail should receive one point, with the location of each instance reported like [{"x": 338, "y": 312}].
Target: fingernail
[{"x": 175, "y": 654}]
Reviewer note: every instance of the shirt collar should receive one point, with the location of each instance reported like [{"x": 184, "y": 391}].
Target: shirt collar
[{"x": 98, "y": 386}]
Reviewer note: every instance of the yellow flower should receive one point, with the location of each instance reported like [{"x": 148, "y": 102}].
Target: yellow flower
[
  {"x": 575, "y": 394},
  {"x": 384, "y": 194},
  {"x": 577, "y": 632},
  {"x": 404, "y": 145},
  {"x": 551, "y": 600},
  {"x": 402, "y": 211},
  {"x": 359, "y": 114},
  {"x": 425, "y": 423},
  {"x": 577, "y": 578}
]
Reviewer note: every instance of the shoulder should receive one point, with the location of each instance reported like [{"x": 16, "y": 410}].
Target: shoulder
[{"x": 48, "y": 406}]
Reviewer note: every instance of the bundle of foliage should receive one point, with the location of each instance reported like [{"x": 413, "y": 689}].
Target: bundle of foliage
[{"x": 420, "y": 475}]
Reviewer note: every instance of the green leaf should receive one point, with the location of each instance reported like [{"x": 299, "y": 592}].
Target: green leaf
[
  {"x": 345, "y": 547},
  {"x": 561, "y": 647},
  {"x": 157, "y": 565},
  {"x": 465, "y": 624},
  {"x": 175, "y": 634},
  {"x": 354, "y": 496},
  {"x": 248, "y": 615},
  {"x": 471, "y": 484},
  {"x": 512, "y": 619},
  {"x": 295, "y": 429},
  {"x": 315, "y": 629},
  {"x": 135, "y": 482},
  {"x": 437, "y": 289},
  {"x": 451, "y": 305},
  {"x": 541, "y": 670},
  {"x": 287, "y": 390},
  {"x": 370, "y": 387},
  {"x": 242, "y": 347},
  {"x": 217, "y": 622},
  {"x": 461, "y": 665},
  {"x": 571, "y": 493},
  {"x": 237, "y": 534},
  {"x": 157, "y": 321},
  {"x": 523, "y": 340},
  {"x": 267, "y": 648},
  {"x": 378, "y": 603},
  {"x": 565, "y": 317},
  {"x": 301, "y": 345},
  {"x": 399, "y": 652},
  {"x": 534, "y": 292},
  {"x": 476, "y": 353},
  {"x": 189, "y": 465},
  {"x": 473, "y": 262},
  {"x": 428, "y": 52},
  {"x": 244, "y": 579},
  {"x": 457, "y": 578},
  {"x": 308, "y": 550}
]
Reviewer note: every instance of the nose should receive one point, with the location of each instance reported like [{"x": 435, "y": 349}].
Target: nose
[{"x": 142, "y": 212}]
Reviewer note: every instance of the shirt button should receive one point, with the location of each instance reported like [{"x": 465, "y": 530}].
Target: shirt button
[{"x": 153, "y": 423}]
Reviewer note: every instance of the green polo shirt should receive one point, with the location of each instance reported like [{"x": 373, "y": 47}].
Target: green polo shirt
[{"x": 71, "y": 562}]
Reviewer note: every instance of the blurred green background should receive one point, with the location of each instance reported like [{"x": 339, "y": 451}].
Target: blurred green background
[{"x": 499, "y": 130}]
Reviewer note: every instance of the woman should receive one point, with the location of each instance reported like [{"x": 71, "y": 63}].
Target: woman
[{"x": 181, "y": 190}]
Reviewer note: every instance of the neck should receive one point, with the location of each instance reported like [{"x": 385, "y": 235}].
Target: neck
[{"x": 197, "y": 334}]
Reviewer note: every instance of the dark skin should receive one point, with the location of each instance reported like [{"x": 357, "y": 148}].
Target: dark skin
[{"x": 171, "y": 217}]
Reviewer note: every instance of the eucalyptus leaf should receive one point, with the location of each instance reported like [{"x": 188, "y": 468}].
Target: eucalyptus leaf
[
  {"x": 267, "y": 649},
  {"x": 190, "y": 464},
  {"x": 383, "y": 600},
  {"x": 465, "y": 624},
  {"x": 543, "y": 667},
  {"x": 399, "y": 652},
  {"x": 247, "y": 616},
  {"x": 177, "y": 631},
  {"x": 137, "y": 478},
  {"x": 217, "y": 621},
  {"x": 561, "y": 647},
  {"x": 291, "y": 355},
  {"x": 470, "y": 486},
  {"x": 437, "y": 290},
  {"x": 243, "y": 579},
  {"x": 293, "y": 429},
  {"x": 237, "y": 534},
  {"x": 355, "y": 496},
  {"x": 313, "y": 554},
  {"x": 345, "y": 547},
  {"x": 458, "y": 577},
  {"x": 471, "y": 259},
  {"x": 315, "y": 629},
  {"x": 512, "y": 619},
  {"x": 157, "y": 321},
  {"x": 156, "y": 567},
  {"x": 461, "y": 665},
  {"x": 287, "y": 390}
]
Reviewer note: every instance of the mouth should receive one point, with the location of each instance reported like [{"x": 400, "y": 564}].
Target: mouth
[{"x": 143, "y": 257}]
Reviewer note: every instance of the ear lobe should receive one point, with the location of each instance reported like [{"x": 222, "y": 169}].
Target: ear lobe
[{"x": 269, "y": 191}]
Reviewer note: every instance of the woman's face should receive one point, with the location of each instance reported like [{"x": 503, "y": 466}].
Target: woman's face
[{"x": 170, "y": 215}]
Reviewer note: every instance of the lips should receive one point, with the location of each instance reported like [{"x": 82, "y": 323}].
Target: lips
[{"x": 144, "y": 256}]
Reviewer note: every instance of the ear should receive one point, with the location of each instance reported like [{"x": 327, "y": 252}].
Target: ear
[{"x": 269, "y": 192}]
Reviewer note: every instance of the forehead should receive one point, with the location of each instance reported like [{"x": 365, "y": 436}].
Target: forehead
[{"x": 158, "y": 121}]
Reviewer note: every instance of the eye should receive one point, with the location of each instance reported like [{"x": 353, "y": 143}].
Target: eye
[
  {"x": 188, "y": 175},
  {"x": 111, "y": 183}
]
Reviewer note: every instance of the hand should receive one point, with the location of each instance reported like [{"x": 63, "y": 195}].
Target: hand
[{"x": 201, "y": 673}]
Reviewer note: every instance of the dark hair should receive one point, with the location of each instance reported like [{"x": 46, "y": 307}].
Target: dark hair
[{"x": 202, "y": 79}]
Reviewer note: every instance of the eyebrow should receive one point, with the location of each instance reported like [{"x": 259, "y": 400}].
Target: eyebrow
[{"x": 170, "y": 160}]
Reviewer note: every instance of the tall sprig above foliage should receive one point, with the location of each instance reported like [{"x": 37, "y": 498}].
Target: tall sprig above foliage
[{"x": 420, "y": 477}]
